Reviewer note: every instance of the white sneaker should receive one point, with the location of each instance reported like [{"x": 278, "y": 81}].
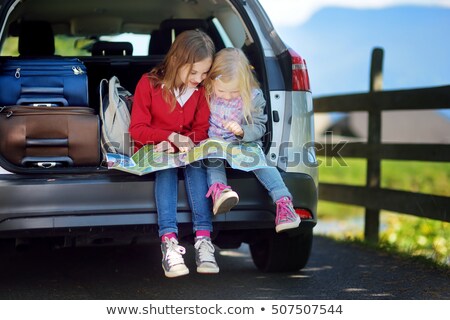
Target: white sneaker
[
  {"x": 172, "y": 260},
  {"x": 204, "y": 256}
]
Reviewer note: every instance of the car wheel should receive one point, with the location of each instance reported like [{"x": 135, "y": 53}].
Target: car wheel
[{"x": 282, "y": 252}]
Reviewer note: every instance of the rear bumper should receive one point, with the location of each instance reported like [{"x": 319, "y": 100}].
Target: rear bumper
[{"x": 69, "y": 205}]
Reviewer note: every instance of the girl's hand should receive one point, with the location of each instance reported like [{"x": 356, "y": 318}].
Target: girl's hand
[
  {"x": 164, "y": 146},
  {"x": 234, "y": 127},
  {"x": 183, "y": 143}
]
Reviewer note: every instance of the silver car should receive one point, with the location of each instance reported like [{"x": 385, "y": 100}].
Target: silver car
[{"x": 87, "y": 205}]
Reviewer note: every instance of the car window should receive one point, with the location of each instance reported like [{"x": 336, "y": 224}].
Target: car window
[
  {"x": 140, "y": 42},
  {"x": 223, "y": 34},
  {"x": 64, "y": 46},
  {"x": 10, "y": 47},
  {"x": 80, "y": 46}
]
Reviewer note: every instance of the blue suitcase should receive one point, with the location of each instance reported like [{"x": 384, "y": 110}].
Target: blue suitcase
[{"x": 43, "y": 82}]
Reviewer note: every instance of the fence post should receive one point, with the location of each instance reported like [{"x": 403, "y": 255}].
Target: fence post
[{"x": 373, "y": 174}]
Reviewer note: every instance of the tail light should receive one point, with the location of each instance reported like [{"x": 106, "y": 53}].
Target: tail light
[
  {"x": 300, "y": 77},
  {"x": 303, "y": 213}
]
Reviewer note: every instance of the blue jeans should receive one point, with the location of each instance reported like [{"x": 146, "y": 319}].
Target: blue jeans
[
  {"x": 166, "y": 195},
  {"x": 269, "y": 177}
]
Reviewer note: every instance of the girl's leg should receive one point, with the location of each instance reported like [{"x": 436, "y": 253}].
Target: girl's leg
[
  {"x": 166, "y": 193},
  {"x": 216, "y": 171},
  {"x": 196, "y": 188},
  {"x": 223, "y": 197},
  {"x": 166, "y": 196},
  {"x": 271, "y": 179},
  {"x": 286, "y": 217}
]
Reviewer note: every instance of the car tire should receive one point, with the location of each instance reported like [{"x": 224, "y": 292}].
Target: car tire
[{"x": 282, "y": 252}]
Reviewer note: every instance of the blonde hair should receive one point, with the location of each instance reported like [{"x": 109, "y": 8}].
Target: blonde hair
[
  {"x": 189, "y": 47},
  {"x": 231, "y": 64}
]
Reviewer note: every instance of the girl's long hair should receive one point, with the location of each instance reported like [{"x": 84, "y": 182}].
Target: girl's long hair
[
  {"x": 231, "y": 64},
  {"x": 188, "y": 48}
]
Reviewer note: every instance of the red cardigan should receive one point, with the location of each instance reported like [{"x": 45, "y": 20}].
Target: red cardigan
[{"x": 152, "y": 121}]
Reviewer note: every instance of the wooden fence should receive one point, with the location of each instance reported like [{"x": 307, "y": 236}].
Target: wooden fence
[{"x": 372, "y": 196}]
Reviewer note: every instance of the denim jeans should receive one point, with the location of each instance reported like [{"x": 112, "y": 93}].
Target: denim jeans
[
  {"x": 269, "y": 177},
  {"x": 166, "y": 195}
]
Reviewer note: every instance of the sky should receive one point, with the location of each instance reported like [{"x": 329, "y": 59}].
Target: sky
[
  {"x": 295, "y": 12},
  {"x": 336, "y": 38}
]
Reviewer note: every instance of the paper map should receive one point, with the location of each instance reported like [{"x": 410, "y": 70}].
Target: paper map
[{"x": 246, "y": 156}]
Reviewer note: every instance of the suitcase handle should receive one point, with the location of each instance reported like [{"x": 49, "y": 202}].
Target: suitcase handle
[
  {"x": 47, "y": 162},
  {"x": 43, "y": 102},
  {"x": 42, "y": 90},
  {"x": 62, "y": 142}
]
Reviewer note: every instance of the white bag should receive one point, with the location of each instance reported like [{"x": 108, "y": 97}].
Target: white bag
[{"x": 115, "y": 106}]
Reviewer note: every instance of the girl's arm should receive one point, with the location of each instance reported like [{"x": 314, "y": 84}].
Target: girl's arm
[
  {"x": 255, "y": 130},
  {"x": 200, "y": 124},
  {"x": 141, "y": 115}
]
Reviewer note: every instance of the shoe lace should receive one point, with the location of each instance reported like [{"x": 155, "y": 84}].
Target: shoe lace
[
  {"x": 285, "y": 210},
  {"x": 216, "y": 190},
  {"x": 174, "y": 252},
  {"x": 205, "y": 249}
]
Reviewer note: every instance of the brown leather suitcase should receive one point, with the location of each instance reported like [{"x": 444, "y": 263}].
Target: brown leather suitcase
[{"x": 50, "y": 136}]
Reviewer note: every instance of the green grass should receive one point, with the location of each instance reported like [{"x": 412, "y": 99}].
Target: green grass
[
  {"x": 352, "y": 173},
  {"x": 407, "y": 234},
  {"x": 416, "y": 236},
  {"x": 415, "y": 176}
]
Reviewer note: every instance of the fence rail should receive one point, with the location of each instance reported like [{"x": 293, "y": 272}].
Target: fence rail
[
  {"x": 372, "y": 196},
  {"x": 410, "y": 99}
]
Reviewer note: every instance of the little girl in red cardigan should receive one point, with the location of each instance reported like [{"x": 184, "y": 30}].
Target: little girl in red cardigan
[{"x": 170, "y": 111}]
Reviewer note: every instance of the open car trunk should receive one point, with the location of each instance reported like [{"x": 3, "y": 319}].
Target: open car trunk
[{"x": 105, "y": 45}]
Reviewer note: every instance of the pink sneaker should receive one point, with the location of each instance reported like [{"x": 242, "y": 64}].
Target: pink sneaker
[
  {"x": 286, "y": 217},
  {"x": 223, "y": 198}
]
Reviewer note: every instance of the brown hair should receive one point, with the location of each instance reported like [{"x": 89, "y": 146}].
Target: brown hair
[{"x": 188, "y": 48}]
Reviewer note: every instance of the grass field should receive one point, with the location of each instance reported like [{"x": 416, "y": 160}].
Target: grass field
[{"x": 415, "y": 236}]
